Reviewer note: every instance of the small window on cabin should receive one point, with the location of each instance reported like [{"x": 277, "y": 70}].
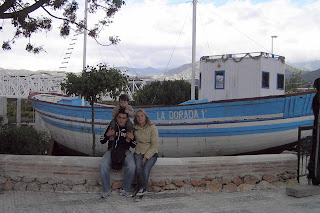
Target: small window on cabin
[
  {"x": 219, "y": 80},
  {"x": 265, "y": 79},
  {"x": 280, "y": 81},
  {"x": 200, "y": 79}
]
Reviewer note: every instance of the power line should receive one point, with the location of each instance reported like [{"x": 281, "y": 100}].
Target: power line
[{"x": 228, "y": 23}]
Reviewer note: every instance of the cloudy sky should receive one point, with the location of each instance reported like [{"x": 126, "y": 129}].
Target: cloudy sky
[{"x": 157, "y": 33}]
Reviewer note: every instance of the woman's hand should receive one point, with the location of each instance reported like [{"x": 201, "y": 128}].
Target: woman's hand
[{"x": 144, "y": 160}]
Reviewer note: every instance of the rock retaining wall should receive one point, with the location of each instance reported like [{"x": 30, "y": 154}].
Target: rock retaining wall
[{"x": 211, "y": 174}]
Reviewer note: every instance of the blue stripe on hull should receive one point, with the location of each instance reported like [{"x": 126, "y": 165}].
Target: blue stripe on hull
[
  {"x": 289, "y": 106},
  {"x": 256, "y": 129},
  {"x": 233, "y": 131}
]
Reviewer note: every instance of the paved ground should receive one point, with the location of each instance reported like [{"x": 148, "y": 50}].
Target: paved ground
[{"x": 256, "y": 201}]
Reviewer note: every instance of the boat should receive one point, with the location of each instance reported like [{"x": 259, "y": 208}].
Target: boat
[
  {"x": 218, "y": 124},
  {"x": 227, "y": 127},
  {"x": 242, "y": 110}
]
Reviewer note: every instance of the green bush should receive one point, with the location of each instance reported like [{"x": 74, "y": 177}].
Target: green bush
[
  {"x": 24, "y": 140},
  {"x": 163, "y": 93},
  {"x": 26, "y": 110}
]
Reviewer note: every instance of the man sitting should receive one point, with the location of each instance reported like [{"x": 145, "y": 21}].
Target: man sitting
[{"x": 118, "y": 150}]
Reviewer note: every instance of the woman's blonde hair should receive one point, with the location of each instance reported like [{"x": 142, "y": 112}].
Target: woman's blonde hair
[{"x": 135, "y": 121}]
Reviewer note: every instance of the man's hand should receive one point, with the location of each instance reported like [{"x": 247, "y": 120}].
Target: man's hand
[
  {"x": 130, "y": 135},
  {"x": 110, "y": 132}
]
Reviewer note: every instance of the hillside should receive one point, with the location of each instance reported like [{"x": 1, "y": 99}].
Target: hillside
[
  {"x": 181, "y": 72},
  {"x": 184, "y": 72},
  {"x": 311, "y": 76},
  {"x": 307, "y": 66},
  {"x": 29, "y": 72},
  {"x": 141, "y": 71}
]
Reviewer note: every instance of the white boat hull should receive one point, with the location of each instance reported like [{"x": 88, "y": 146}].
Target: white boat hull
[{"x": 217, "y": 128}]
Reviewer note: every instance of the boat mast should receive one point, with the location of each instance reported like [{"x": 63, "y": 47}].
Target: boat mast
[
  {"x": 193, "y": 50},
  {"x": 85, "y": 32},
  {"x": 85, "y": 35}
]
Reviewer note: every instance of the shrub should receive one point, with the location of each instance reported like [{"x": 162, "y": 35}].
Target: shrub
[{"x": 24, "y": 140}]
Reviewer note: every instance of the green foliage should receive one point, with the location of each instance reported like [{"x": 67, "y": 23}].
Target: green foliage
[
  {"x": 94, "y": 82},
  {"x": 294, "y": 82},
  {"x": 26, "y": 110},
  {"x": 26, "y": 23},
  {"x": 24, "y": 140},
  {"x": 163, "y": 93}
]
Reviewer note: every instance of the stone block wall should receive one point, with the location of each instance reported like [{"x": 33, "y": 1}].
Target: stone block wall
[{"x": 210, "y": 174}]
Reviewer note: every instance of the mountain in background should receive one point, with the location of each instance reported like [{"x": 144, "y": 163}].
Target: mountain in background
[
  {"x": 22, "y": 72},
  {"x": 15, "y": 72},
  {"x": 184, "y": 71},
  {"x": 311, "y": 76},
  {"x": 141, "y": 71},
  {"x": 308, "y": 66}
]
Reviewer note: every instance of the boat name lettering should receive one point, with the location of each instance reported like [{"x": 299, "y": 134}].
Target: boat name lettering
[{"x": 180, "y": 115}]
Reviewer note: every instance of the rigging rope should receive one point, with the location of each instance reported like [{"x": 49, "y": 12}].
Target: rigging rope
[
  {"x": 231, "y": 25},
  {"x": 172, "y": 52},
  {"x": 204, "y": 32}
]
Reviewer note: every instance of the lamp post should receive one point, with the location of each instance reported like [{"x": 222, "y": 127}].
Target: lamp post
[{"x": 272, "y": 37}]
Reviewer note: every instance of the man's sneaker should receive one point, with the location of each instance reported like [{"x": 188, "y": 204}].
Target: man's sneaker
[
  {"x": 124, "y": 193},
  {"x": 141, "y": 192},
  {"x": 106, "y": 194}
]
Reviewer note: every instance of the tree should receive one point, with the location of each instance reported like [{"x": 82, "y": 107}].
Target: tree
[
  {"x": 92, "y": 84},
  {"x": 19, "y": 12},
  {"x": 294, "y": 82},
  {"x": 163, "y": 93}
]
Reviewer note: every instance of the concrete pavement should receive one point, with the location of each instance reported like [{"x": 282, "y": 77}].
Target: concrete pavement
[{"x": 255, "y": 201}]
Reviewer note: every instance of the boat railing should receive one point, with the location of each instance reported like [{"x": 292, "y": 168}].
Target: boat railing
[
  {"x": 49, "y": 98},
  {"x": 237, "y": 57}
]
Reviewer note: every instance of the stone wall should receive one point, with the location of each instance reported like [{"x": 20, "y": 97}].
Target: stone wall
[{"x": 211, "y": 174}]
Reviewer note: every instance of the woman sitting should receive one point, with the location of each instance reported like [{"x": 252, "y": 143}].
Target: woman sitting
[{"x": 146, "y": 152}]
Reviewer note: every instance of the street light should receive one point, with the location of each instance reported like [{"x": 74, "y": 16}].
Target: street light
[{"x": 272, "y": 37}]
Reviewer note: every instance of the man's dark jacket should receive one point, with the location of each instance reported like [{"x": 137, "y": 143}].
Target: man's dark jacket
[{"x": 118, "y": 146}]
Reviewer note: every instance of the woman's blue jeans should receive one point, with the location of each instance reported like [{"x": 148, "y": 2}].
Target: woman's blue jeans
[
  {"x": 143, "y": 171},
  {"x": 129, "y": 171}
]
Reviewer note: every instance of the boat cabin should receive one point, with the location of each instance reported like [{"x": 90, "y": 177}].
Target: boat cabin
[{"x": 246, "y": 75}]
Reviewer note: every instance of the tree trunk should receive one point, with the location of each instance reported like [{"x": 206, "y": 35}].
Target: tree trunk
[{"x": 93, "y": 132}]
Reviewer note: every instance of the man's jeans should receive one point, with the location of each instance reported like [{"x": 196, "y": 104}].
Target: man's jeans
[
  {"x": 128, "y": 166},
  {"x": 143, "y": 171}
]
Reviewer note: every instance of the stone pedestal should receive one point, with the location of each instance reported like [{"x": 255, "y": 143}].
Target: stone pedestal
[{"x": 303, "y": 190}]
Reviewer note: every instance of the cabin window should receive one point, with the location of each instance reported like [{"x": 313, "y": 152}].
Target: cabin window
[
  {"x": 280, "y": 81},
  {"x": 200, "y": 80},
  {"x": 265, "y": 79},
  {"x": 219, "y": 79}
]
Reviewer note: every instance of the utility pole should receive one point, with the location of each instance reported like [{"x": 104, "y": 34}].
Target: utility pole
[
  {"x": 193, "y": 88},
  {"x": 272, "y": 37}
]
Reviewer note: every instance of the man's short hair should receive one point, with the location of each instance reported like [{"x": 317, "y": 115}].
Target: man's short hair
[
  {"x": 122, "y": 111},
  {"x": 316, "y": 84},
  {"x": 123, "y": 97}
]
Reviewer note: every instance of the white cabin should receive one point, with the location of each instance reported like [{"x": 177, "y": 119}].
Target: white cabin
[{"x": 246, "y": 75}]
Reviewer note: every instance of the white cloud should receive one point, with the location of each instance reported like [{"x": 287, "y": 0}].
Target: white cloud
[{"x": 149, "y": 33}]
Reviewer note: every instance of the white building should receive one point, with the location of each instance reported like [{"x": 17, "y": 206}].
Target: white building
[{"x": 247, "y": 75}]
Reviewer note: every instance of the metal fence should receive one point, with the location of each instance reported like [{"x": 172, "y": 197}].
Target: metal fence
[{"x": 304, "y": 150}]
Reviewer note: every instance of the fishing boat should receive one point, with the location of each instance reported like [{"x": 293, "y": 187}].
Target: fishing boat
[
  {"x": 218, "y": 124},
  {"x": 242, "y": 109}
]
